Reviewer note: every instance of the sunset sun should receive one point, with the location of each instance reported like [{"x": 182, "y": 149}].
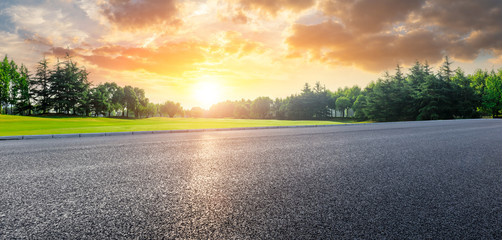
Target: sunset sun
[{"x": 207, "y": 93}]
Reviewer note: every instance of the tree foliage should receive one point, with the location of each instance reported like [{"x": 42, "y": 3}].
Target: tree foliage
[
  {"x": 260, "y": 108},
  {"x": 5, "y": 82},
  {"x": 69, "y": 86},
  {"x": 170, "y": 108},
  {"x": 41, "y": 86},
  {"x": 492, "y": 98},
  {"x": 343, "y": 104}
]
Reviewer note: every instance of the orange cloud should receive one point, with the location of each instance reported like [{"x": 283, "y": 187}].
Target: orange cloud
[
  {"x": 370, "y": 15},
  {"x": 172, "y": 59},
  {"x": 60, "y": 52},
  {"x": 332, "y": 43},
  {"x": 169, "y": 59},
  {"x": 233, "y": 14},
  {"x": 273, "y": 7},
  {"x": 132, "y": 15},
  {"x": 376, "y": 35},
  {"x": 237, "y": 45},
  {"x": 240, "y": 18}
]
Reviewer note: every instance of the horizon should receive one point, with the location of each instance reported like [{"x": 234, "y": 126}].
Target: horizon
[{"x": 204, "y": 52}]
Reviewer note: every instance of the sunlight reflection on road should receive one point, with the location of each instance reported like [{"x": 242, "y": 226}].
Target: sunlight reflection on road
[{"x": 208, "y": 195}]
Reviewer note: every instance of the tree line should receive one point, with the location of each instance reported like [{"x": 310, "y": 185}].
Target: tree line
[
  {"x": 419, "y": 94},
  {"x": 65, "y": 89},
  {"x": 424, "y": 95}
]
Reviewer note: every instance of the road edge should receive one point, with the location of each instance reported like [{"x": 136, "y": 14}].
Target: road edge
[{"x": 105, "y": 134}]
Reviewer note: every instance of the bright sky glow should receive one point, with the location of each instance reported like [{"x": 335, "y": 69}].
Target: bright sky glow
[{"x": 207, "y": 93}]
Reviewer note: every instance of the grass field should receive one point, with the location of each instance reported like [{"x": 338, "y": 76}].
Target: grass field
[{"x": 20, "y": 125}]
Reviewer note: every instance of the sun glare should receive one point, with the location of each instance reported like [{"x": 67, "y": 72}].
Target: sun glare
[{"x": 207, "y": 93}]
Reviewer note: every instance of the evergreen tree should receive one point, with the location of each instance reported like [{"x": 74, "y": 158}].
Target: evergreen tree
[
  {"x": 68, "y": 86},
  {"x": 41, "y": 87},
  {"x": 385, "y": 102},
  {"x": 435, "y": 101},
  {"x": 492, "y": 98},
  {"x": 322, "y": 99},
  {"x": 416, "y": 77},
  {"x": 445, "y": 72},
  {"x": 466, "y": 100},
  {"x": 359, "y": 106},
  {"x": 5, "y": 83},
  {"x": 22, "y": 95},
  {"x": 15, "y": 87}
]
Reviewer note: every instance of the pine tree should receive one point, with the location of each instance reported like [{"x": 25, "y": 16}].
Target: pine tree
[
  {"x": 68, "y": 86},
  {"x": 492, "y": 97},
  {"x": 5, "y": 83},
  {"x": 22, "y": 94},
  {"x": 41, "y": 87},
  {"x": 445, "y": 73}
]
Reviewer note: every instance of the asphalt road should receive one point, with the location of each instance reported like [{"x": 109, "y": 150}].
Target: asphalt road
[{"x": 436, "y": 179}]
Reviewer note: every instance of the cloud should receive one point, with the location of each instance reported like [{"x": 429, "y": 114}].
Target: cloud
[
  {"x": 370, "y": 15},
  {"x": 273, "y": 7},
  {"x": 133, "y": 15},
  {"x": 51, "y": 24},
  {"x": 369, "y": 34},
  {"x": 60, "y": 52},
  {"x": 463, "y": 16},
  {"x": 235, "y": 45},
  {"x": 332, "y": 43},
  {"x": 37, "y": 39},
  {"x": 15, "y": 47},
  {"x": 240, "y": 18},
  {"x": 471, "y": 26},
  {"x": 376, "y": 35},
  {"x": 171, "y": 59},
  {"x": 236, "y": 16}
]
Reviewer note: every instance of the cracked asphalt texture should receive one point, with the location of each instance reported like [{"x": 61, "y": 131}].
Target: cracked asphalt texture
[{"x": 415, "y": 180}]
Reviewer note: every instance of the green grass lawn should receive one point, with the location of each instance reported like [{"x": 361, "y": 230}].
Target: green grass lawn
[{"x": 20, "y": 125}]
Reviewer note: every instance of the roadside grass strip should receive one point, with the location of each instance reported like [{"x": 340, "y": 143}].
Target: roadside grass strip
[{"x": 25, "y": 125}]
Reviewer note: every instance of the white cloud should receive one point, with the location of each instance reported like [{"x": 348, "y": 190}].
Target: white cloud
[
  {"x": 93, "y": 10},
  {"x": 15, "y": 47},
  {"x": 52, "y": 24}
]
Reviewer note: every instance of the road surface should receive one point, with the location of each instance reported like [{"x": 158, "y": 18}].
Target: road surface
[{"x": 435, "y": 179}]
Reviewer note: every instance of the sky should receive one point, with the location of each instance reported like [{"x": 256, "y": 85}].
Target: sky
[{"x": 202, "y": 52}]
